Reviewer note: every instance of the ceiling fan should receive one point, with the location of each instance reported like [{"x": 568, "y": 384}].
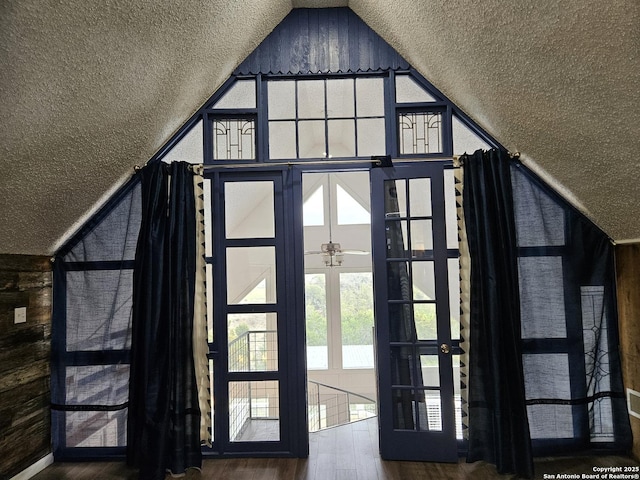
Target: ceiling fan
[{"x": 332, "y": 253}]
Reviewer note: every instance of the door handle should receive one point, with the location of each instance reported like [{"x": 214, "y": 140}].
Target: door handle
[{"x": 444, "y": 348}]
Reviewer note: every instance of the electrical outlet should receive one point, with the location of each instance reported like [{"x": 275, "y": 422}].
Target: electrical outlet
[{"x": 20, "y": 315}]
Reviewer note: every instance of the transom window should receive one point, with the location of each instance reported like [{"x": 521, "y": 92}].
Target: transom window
[{"x": 326, "y": 118}]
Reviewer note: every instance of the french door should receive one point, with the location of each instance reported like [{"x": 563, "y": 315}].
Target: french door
[
  {"x": 258, "y": 390},
  {"x": 413, "y": 318}
]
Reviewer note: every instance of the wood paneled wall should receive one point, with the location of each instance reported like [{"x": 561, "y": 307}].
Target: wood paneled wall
[
  {"x": 25, "y": 426},
  {"x": 628, "y": 283}
]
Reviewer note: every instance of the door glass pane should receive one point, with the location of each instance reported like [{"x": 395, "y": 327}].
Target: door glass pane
[
  {"x": 404, "y": 407},
  {"x": 416, "y": 410},
  {"x": 397, "y": 240},
  {"x": 282, "y": 140},
  {"x": 252, "y": 342},
  {"x": 371, "y": 137},
  {"x": 403, "y": 367},
  {"x": 311, "y": 139},
  {"x": 430, "y": 407},
  {"x": 342, "y": 138},
  {"x": 424, "y": 316},
  {"x": 249, "y": 210},
  {"x": 430, "y": 370},
  {"x": 400, "y": 323},
  {"x": 420, "y": 197},
  {"x": 251, "y": 275},
  {"x": 421, "y": 237},
  {"x": 395, "y": 201},
  {"x": 254, "y": 411},
  {"x": 311, "y": 99},
  {"x": 424, "y": 282},
  {"x": 316, "y": 321},
  {"x": 356, "y": 313},
  {"x": 398, "y": 281}
]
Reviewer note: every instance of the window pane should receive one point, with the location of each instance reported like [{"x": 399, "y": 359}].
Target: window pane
[
  {"x": 189, "y": 148},
  {"x": 282, "y": 140},
  {"x": 350, "y": 211},
  {"x": 281, "y": 100},
  {"x": 340, "y": 101},
  {"x": 254, "y": 411},
  {"x": 311, "y": 99},
  {"x": 450, "y": 208},
  {"x": 249, "y": 210},
  {"x": 107, "y": 429},
  {"x": 465, "y": 140},
  {"x": 542, "y": 301},
  {"x": 453, "y": 265},
  {"x": 420, "y": 133},
  {"x": 313, "y": 209},
  {"x": 316, "y": 321},
  {"x": 311, "y": 139},
  {"x": 252, "y": 342},
  {"x": 356, "y": 312},
  {"x": 408, "y": 91},
  {"x": 241, "y": 95},
  {"x": 369, "y": 97},
  {"x": 342, "y": 138},
  {"x": 371, "y": 137},
  {"x": 233, "y": 139},
  {"x": 251, "y": 275}
]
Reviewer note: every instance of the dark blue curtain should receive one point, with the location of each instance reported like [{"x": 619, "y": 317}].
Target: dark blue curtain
[
  {"x": 164, "y": 416},
  {"x": 498, "y": 424}
]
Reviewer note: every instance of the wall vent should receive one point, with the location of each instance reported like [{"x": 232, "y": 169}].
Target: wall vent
[{"x": 633, "y": 401}]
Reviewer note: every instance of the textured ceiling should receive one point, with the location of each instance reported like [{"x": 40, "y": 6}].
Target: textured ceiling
[{"x": 90, "y": 89}]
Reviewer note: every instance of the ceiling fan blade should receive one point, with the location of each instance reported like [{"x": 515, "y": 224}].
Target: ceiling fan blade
[
  {"x": 356, "y": 252},
  {"x": 313, "y": 252}
]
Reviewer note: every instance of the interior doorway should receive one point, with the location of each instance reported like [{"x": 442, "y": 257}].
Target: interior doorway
[{"x": 339, "y": 317}]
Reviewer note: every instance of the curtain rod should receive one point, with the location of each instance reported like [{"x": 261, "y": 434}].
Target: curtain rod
[
  {"x": 376, "y": 161},
  {"x": 385, "y": 161}
]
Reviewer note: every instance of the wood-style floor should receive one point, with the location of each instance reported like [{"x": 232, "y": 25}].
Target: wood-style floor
[{"x": 349, "y": 452}]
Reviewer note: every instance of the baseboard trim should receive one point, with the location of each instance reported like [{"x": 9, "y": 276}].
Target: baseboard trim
[{"x": 34, "y": 469}]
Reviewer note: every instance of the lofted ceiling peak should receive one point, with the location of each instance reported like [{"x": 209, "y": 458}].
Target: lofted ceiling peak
[{"x": 91, "y": 89}]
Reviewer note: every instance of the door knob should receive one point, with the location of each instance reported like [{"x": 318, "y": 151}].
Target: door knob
[{"x": 444, "y": 348}]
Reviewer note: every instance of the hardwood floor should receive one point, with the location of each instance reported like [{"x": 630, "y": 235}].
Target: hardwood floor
[{"x": 349, "y": 452}]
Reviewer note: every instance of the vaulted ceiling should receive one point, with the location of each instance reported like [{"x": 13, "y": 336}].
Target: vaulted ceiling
[{"x": 90, "y": 89}]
